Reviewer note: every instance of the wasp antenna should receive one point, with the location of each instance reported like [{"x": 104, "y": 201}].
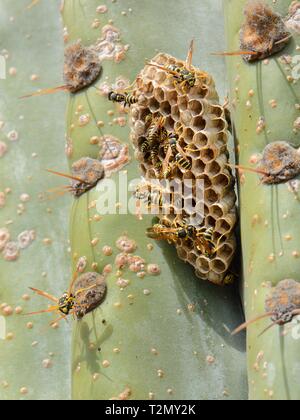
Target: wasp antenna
[
  {"x": 45, "y": 92},
  {"x": 74, "y": 178},
  {"x": 245, "y": 168},
  {"x": 234, "y": 53},
  {"x": 252, "y": 321},
  {"x": 189, "y": 58}
]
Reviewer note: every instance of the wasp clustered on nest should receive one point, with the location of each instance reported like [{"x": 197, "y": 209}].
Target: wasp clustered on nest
[
  {"x": 264, "y": 32},
  {"x": 180, "y": 133}
]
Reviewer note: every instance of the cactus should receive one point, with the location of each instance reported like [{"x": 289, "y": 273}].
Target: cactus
[
  {"x": 34, "y": 357},
  {"x": 265, "y": 111},
  {"x": 159, "y": 331},
  {"x": 131, "y": 347}
]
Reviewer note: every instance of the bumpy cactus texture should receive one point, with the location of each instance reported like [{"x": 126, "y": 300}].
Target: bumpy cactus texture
[
  {"x": 160, "y": 333},
  {"x": 198, "y": 119},
  {"x": 35, "y": 359},
  {"x": 265, "y": 104}
]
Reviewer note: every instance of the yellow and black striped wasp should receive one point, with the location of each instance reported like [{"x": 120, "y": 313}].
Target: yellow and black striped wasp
[
  {"x": 186, "y": 75},
  {"x": 175, "y": 151},
  {"x": 126, "y": 98},
  {"x": 156, "y": 135},
  {"x": 202, "y": 237}
]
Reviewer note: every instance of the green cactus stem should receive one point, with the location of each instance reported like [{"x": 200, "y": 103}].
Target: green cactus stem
[
  {"x": 161, "y": 333},
  {"x": 265, "y": 110},
  {"x": 35, "y": 359}
]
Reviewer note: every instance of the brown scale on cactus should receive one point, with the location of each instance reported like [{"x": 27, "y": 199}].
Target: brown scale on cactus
[
  {"x": 84, "y": 295},
  {"x": 282, "y": 305},
  {"x": 81, "y": 69},
  {"x": 263, "y": 32},
  {"x": 86, "y": 173},
  {"x": 193, "y": 113}
]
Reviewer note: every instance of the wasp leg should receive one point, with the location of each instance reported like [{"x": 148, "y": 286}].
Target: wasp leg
[{"x": 44, "y": 294}]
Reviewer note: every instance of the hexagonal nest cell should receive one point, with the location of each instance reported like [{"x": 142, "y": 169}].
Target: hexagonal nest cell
[{"x": 194, "y": 115}]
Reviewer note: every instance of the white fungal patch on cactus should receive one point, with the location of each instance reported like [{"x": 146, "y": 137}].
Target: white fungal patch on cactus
[
  {"x": 11, "y": 251},
  {"x": 69, "y": 148},
  {"x": 113, "y": 154},
  {"x": 122, "y": 283},
  {"x": 84, "y": 120},
  {"x": 297, "y": 124},
  {"x": 26, "y": 238},
  {"x": 261, "y": 125},
  {"x": 109, "y": 46},
  {"x": 13, "y": 135},
  {"x": 81, "y": 264},
  {"x": 127, "y": 245},
  {"x": 2, "y": 199},
  {"x": 121, "y": 260},
  {"x": 4, "y": 238},
  {"x": 47, "y": 363},
  {"x": 102, "y": 9},
  {"x": 153, "y": 269},
  {"x": 293, "y": 19}
]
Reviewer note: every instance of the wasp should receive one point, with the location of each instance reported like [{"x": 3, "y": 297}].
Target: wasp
[
  {"x": 69, "y": 303},
  {"x": 127, "y": 99},
  {"x": 145, "y": 146},
  {"x": 156, "y": 134},
  {"x": 204, "y": 243},
  {"x": 181, "y": 161},
  {"x": 172, "y": 148},
  {"x": 161, "y": 232},
  {"x": 202, "y": 237},
  {"x": 150, "y": 198},
  {"x": 186, "y": 76}
]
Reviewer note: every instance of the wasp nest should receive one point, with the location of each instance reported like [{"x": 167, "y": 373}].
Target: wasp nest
[{"x": 194, "y": 114}]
